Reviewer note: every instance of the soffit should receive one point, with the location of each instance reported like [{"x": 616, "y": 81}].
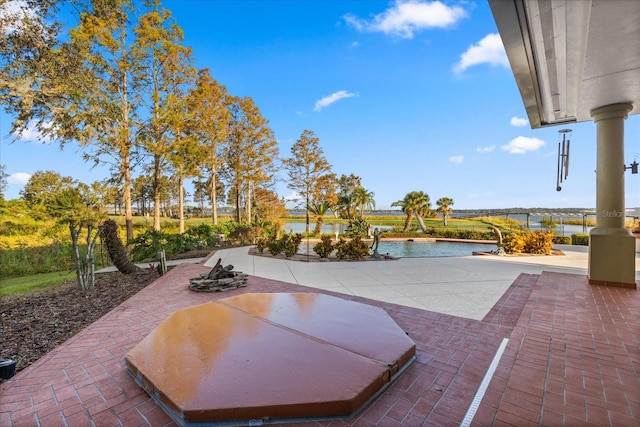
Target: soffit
[{"x": 571, "y": 56}]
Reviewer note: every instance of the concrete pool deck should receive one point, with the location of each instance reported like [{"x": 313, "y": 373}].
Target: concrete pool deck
[
  {"x": 460, "y": 286},
  {"x": 571, "y": 356}
]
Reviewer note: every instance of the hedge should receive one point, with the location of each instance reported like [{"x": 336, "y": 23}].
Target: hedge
[
  {"x": 562, "y": 240},
  {"x": 580, "y": 239}
]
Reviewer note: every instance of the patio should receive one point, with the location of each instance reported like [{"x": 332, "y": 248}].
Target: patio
[{"x": 572, "y": 358}]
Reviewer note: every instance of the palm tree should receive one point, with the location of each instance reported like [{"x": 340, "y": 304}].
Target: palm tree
[
  {"x": 363, "y": 199},
  {"x": 319, "y": 209},
  {"x": 414, "y": 203},
  {"x": 444, "y": 207},
  {"x": 345, "y": 206}
]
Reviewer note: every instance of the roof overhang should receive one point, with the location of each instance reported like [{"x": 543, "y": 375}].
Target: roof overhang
[{"x": 570, "y": 57}]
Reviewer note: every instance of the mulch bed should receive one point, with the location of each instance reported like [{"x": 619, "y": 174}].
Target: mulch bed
[{"x": 33, "y": 324}]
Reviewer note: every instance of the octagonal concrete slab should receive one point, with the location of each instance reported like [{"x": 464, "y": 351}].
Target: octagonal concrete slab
[{"x": 269, "y": 357}]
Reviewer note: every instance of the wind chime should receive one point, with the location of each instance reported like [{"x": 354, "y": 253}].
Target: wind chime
[{"x": 563, "y": 157}]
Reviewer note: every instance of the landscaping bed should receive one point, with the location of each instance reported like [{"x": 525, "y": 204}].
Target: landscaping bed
[{"x": 32, "y": 324}]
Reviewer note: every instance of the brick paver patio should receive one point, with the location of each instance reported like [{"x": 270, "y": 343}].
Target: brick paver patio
[{"x": 573, "y": 358}]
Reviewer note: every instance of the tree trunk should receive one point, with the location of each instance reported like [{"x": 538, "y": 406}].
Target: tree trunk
[
  {"x": 116, "y": 249},
  {"x": 407, "y": 221},
  {"x": 156, "y": 193},
  {"x": 318, "y": 228},
  {"x": 128, "y": 212},
  {"x": 237, "y": 202},
  {"x": 181, "y": 202},
  {"x": 421, "y": 222},
  {"x": 214, "y": 199},
  {"x": 90, "y": 261},
  {"x": 306, "y": 209},
  {"x": 247, "y": 204},
  {"x": 125, "y": 152},
  {"x": 76, "y": 256}
]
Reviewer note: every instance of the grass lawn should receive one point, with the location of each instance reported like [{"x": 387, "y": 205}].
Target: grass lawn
[
  {"x": 24, "y": 284},
  {"x": 398, "y": 221}
]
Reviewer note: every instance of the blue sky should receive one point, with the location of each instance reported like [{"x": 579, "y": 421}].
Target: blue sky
[{"x": 408, "y": 95}]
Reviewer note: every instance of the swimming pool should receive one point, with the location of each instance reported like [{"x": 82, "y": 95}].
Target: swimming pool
[
  {"x": 422, "y": 248},
  {"x": 407, "y": 249}
]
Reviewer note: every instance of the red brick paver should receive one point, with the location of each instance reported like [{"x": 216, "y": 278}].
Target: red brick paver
[{"x": 572, "y": 359}]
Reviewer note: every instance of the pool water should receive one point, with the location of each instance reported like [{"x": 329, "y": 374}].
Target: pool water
[{"x": 407, "y": 249}]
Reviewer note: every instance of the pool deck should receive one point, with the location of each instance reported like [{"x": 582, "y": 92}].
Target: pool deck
[
  {"x": 424, "y": 283},
  {"x": 572, "y": 355}
]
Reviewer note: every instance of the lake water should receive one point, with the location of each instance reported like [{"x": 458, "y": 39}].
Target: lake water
[
  {"x": 332, "y": 229},
  {"x": 406, "y": 249},
  {"x": 566, "y": 230}
]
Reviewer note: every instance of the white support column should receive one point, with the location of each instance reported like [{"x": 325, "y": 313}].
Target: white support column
[{"x": 611, "y": 246}]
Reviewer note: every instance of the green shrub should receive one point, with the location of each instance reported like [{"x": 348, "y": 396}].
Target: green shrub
[
  {"x": 513, "y": 242},
  {"x": 354, "y": 249},
  {"x": 246, "y": 234},
  {"x": 274, "y": 245},
  {"x": 261, "y": 244},
  {"x": 580, "y": 239},
  {"x": 357, "y": 228},
  {"x": 290, "y": 243},
  {"x": 204, "y": 234},
  {"x": 453, "y": 233},
  {"x": 539, "y": 242},
  {"x": 208, "y": 234},
  {"x": 270, "y": 228},
  {"x": 228, "y": 227},
  {"x": 145, "y": 246},
  {"x": 324, "y": 247},
  {"x": 562, "y": 240},
  {"x": 536, "y": 242},
  {"x": 341, "y": 248}
]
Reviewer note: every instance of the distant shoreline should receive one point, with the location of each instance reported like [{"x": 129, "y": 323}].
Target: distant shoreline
[{"x": 509, "y": 212}]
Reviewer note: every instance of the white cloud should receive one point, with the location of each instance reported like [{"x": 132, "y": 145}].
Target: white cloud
[
  {"x": 522, "y": 144},
  {"x": 489, "y": 50},
  {"x": 406, "y": 17},
  {"x": 517, "y": 121},
  {"x": 293, "y": 197},
  {"x": 488, "y": 149},
  {"x": 20, "y": 178},
  {"x": 330, "y": 99},
  {"x": 13, "y": 12},
  {"x": 456, "y": 159},
  {"x": 33, "y": 134}
]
